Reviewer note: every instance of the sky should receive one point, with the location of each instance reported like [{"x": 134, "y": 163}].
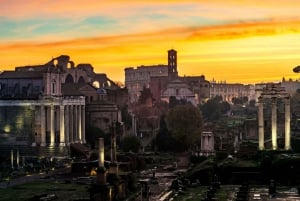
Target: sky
[{"x": 245, "y": 41}]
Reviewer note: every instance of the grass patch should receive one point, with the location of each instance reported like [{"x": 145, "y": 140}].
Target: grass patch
[
  {"x": 198, "y": 193},
  {"x": 192, "y": 194},
  {"x": 27, "y": 191}
]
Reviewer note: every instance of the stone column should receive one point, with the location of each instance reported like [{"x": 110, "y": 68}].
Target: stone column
[
  {"x": 261, "y": 139},
  {"x": 67, "y": 124},
  {"x": 75, "y": 123},
  {"x": 79, "y": 124},
  {"x": 134, "y": 124},
  {"x": 18, "y": 158},
  {"x": 83, "y": 123},
  {"x": 101, "y": 171},
  {"x": 287, "y": 124},
  {"x": 12, "y": 158},
  {"x": 43, "y": 126},
  {"x": 71, "y": 115},
  {"x": 101, "y": 153},
  {"x": 52, "y": 124},
  {"x": 274, "y": 123},
  {"x": 62, "y": 125},
  {"x": 35, "y": 142},
  {"x": 113, "y": 143},
  {"x": 207, "y": 143}
]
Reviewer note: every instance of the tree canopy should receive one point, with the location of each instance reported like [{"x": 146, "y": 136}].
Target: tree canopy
[
  {"x": 185, "y": 123},
  {"x": 214, "y": 108},
  {"x": 131, "y": 143}
]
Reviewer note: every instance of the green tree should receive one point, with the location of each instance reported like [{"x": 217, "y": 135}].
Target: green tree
[
  {"x": 214, "y": 108},
  {"x": 131, "y": 143},
  {"x": 126, "y": 117},
  {"x": 240, "y": 100},
  {"x": 173, "y": 101},
  {"x": 165, "y": 141},
  {"x": 185, "y": 124}
]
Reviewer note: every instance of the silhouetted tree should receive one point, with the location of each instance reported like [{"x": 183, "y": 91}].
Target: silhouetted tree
[
  {"x": 131, "y": 143},
  {"x": 252, "y": 103},
  {"x": 214, "y": 108},
  {"x": 146, "y": 96},
  {"x": 165, "y": 141},
  {"x": 126, "y": 117},
  {"x": 185, "y": 123},
  {"x": 173, "y": 101},
  {"x": 240, "y": 100},
  {"x": 93, "y": 134}
]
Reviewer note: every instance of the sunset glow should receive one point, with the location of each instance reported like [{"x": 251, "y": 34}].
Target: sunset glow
[{"x": 237, "y": 41}]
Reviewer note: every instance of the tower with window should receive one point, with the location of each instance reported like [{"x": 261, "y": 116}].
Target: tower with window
[{"x": 172, "y": 63}]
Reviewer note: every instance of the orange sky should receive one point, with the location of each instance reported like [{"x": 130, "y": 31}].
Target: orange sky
[{"x": 236, "y": 41}]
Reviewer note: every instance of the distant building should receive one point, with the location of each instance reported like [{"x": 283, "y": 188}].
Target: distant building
[
  {"x": 160, "y": 79},
  {"x": 199, "y": 86},
  {"x": 291, "y": 86},
  {"x": 228, "y": 91},
  {"x": 137, "y": 78},
  {"x": 181, "y": 91}
]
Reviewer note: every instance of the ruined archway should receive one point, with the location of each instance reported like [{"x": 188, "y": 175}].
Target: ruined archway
[{"x": 69, "y": 79}]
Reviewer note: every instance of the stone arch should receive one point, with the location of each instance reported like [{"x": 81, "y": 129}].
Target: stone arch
[
  {"x": 69, "y": 79},
  {"x": 96, "y": 84},
  {"x": 70, "y": 64},
  {"x": 107, "y": 84},
  {"x": 55, "y": 62},
  {"x": 81, "y": 80}
]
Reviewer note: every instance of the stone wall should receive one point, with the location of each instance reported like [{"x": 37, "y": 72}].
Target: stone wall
[{"x": 16, "y": 123}]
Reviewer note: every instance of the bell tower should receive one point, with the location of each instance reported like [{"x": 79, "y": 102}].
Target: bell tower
[{"x": 172, "y": 63}]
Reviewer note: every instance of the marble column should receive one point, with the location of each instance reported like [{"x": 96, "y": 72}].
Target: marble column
[
  {"x": 287, "y": 124},
  {"x": 67, "y": 124},
  {"x": 43, "y": 126},
  {"x": 274, "y": 123},
  {"x": 133, "y": 120},
  {"x": 75, "y": 123},
  {"x": 62, "y": 125},
  {"x": 12, "y": 158},
  {"x": 79, "y": 124},
  {"x": 71, "y": 115},
  {"x": 52, "y": 124},
  {"x": 83, "y": 123},
  {"x": 113, "y": 143},
  {"x": 34, "y": 133},
  {"x": 261, "y": 139},
  {"x": 101, "y": 153}
]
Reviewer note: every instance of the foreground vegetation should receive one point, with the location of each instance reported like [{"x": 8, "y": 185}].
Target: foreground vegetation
[
  {"x": 63, "y": 191},
  {"x": 198, "y": 193}
]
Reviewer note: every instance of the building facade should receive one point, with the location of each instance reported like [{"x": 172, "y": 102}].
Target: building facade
[
  {"x": 45, "y": 105},
  {"x": 228, "y": 91},
  {"x": 181, "y": 91}
]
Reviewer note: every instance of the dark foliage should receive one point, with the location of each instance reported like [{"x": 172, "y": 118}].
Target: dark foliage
[
  {"x": 214, "y": 108},
  {"x": 130, "y": 143},
  {"x": 92, "y": 134}
]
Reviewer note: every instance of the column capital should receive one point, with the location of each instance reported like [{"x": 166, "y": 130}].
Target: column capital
[{"x": 274, "y": 100}]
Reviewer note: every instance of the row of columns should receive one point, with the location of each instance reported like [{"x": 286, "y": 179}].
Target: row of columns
[
  {"x": 71, "y": 124},
  {"x": 274, "y": 123}
]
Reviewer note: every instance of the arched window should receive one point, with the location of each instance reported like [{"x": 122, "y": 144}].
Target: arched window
[
  {"x": 96, "y": 84},
  {"x": 53, "y": 86},
  {"x": 81, "y": 80},
  {"x": 69, "y": 79}
]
